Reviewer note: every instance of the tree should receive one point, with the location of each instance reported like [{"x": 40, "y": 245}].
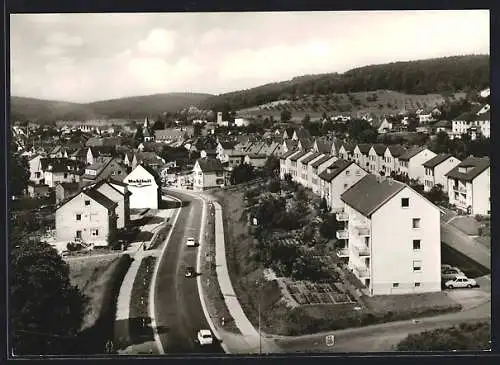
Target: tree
[
  {"x": 19, "y": 174},
  {"x": 158, "y": 125},
  {"x": 197, "y": 128},
  {"x": 242, "y": 173},
  {"x": 139, "y": 135},
  {"x": 323, "y": 205},
  {"x": 46, "y": 311},
  {"x": 437, "y": 195},
  {"x": 412, "y": 123},
  {"x": 274, "y": 185},
  {"x": 286, "y": 115},
  {"x": 272, "y": 167},
  {"x": 329, "y": 226}
]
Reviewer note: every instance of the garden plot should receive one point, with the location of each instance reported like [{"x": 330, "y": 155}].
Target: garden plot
[{"x": 305, "y": 293}]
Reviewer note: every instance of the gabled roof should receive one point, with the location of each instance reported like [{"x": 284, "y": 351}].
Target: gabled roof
[
  {"x": 290, "y": 144},
  {"x": 433, "y": 162},
  {"x": 288, "y": 154},
  {"x": 379, "y": 148},
  {"x": 413, "y": 151},
  {"x": 478, "y": 165},
  {"x": 208, "y": 164},
  {"x": 335, "y": 169},
  {"x": 100, "y": 198},
  {"x": 170, "y": 133},
  {"x": 349, "y": 147},
  {"x": 306, "y": 142},
  {"x": 396, "y": 150},
  {"x": 116, "y": 182},
  {"x": 324, "y": 146},
  {"x": 321, "y": 160},
  {"x": 152, "y": 172},
  {"x": 308, "y": 159},
  {"x": 61, "y": 165},
  {"x": 442, "y": 124},
  {"x": 302, "y": 133},
  {"x": 70, "y": 187},
  {"x": 364, "y": 148},
  {"x": 102, "y": 150},
  {"x": 227, "y": 145},
  {"x": 370, "y": 193},
  {"x": 298, "y": 155}
]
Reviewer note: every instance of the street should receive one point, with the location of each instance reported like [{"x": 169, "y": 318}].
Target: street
[{"x": 178, "y": 311}]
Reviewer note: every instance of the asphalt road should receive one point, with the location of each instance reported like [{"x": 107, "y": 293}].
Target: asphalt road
[{"x": 179, "y": 314}]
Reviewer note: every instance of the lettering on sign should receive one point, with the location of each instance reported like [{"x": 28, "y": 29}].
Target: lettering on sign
[
  {"x": 330, "y": 340},
  {"x": 139, "y": 182}
]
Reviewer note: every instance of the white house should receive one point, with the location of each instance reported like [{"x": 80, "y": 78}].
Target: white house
[
  {"x": 36, "y": 172},
  {"x": 385, "y": 126},
  {"x": 411, "y": 162},
  {"x": 302, "y": 166},
  {"x": 391, "y": 159},
  {"x": 207, "y": 172},
  {"x": 241, "y": 122},
  {"x": 317, "y": 167},
  {"x": 436, "y": 168},
  {"x": 469, "y": 185},
  {"x": 144, "y": 185},
  {"x": 360, "y": 155},
  {"x": 307, "y": 162},
  {"x": 399, "y": 257},
  {"x": 376, "y": 158},
  {"x": 294, "y": 169},
  {"x": 337, "y": 178}
]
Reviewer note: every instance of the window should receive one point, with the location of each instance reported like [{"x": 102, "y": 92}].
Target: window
[
  {"x": 405, "y": 202},
  {"x": 78, "y": 217},
  {"x": 347, "y": 173},
  {"x": 395, "y": 285},
  {"x": 94, "y": 232},
  {"x": 345, "y": 186},
  {"x": 417, "y": 285},
  {"x": 416, "y": 222},
  {"x": 37, "y": 174},
  {"x": 416, "y": 244},
  {"x": 87, "y": 202},
  {"x": 417, "y": 266},
  {"x": 65, "y": 175},
  {"x": 358, "y": 172}
]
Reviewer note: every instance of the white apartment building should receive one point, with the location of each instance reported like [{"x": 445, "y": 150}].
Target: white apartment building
[
  {"x": 469, "y": 185},
  {"x": 317, "y": 167},
  {"x": 411, "y": 162},
  {"x": 302, "y": 167},
  {"x": 392, "y": 237},
  {"x": 285, "y": 163},
  {"x": 391, "y": 159},
  {"x": 436, "y": 169},
  {"x": 337, "y": 178},
  {"x": 316, "y": 156}
]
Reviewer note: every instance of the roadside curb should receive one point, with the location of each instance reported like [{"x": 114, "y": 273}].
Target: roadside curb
[
  {"x": 201, "y": 241},
  {"x": 152, "y": 286}
]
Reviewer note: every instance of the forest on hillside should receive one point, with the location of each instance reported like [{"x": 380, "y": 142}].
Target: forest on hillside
[{"x": 438, "y": 75}]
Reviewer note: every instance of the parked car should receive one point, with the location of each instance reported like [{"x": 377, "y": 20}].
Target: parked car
[
  {"x": 446, "y": 267},
  {"x": 460, "y": 282},
  {"x": 191, "y": 242},
  {"x": 450, "y": 274},
  {"x": 204, "y": 337},
  {"x": 190, "y": 272}
]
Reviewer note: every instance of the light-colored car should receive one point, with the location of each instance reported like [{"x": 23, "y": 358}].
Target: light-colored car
[
  {"x": 451, "y": 274},
  {"x": 460, "y": 282},
  {"x": 205, "y": 337},
  {"x": 191, "y": 242}
]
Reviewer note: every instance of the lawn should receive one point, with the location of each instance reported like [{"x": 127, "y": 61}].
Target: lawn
[{"x": 468, "y": 266}]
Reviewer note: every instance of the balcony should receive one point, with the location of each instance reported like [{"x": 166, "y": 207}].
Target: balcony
[
  {"x": 363, "y": 230},
  {"x": 342, "y": 234},
  {"x": 362, "y": 250},
  {"x": 343, "y": 252},
  {"x": 342, "y": 217},
  {"x": 362, "y": 272}
]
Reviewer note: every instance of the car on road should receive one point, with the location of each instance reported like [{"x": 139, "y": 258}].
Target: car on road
[
  {"x": 191, "y": 242},
  {"x": 460, "y": 282},
  {"x": 450, "y": 274},
  {"x": 204, "y": 337},
  {"x": 190, "y": 272}
]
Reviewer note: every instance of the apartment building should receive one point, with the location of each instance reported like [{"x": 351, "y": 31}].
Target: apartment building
[
  {"x": 411, "y": 162},
  {"x": 436, "y": 169},
  {"x": 376, "y": 158},
  {"x": 337, "y": 178},
  {"x": 88, "y": 217},
  {"x": 346, "y": 151},
  {"x": 121, "y": 196},
  {"x": 316, "y": 168},
  {"x": 285, "y": 163},
  {"x": 390, "y": 163},
  {"x": 400, "y": 257},
  {"x": 469, "y": 185},
  {"x": 305, "y": 177}
]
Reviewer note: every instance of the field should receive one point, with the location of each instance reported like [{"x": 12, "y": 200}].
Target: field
[{"x": 380, "y": 102}]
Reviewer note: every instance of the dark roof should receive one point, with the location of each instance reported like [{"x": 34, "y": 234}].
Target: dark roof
[
  {"x": 299, "y": 155},
  {"x": 370, "y": 193},
  {"x": 308, "y": 159},
  {"x": 433, "y": 162},
  {"x": 302, "y": 133},
  {"x": 288, "y": 154},
  {"x": 120, "y": 183},
  {"x": 364, "y": 147},
  {"x": 70, "y": 186},
  {"x": 321, "y": 160},
  {"x": 306, "y": 142},
  {"x": 227, "y": 145},
  {"x": 152, "y": 172},
  {"x": 336, "y": 168},
  {"x": 289, "y": 131},
  {"x": 478, "y": 164},
  {"x": 208, "y": 164},
  {"x": 324, "y": 146},
  {"x": 349, "y": 147},
  {"x": 291, "y": 143},
  {"x": 61, "y": 165},
  {"x": 379, "y": 148},
  {"x": 147, "y": 157},
  {"x": 102, "y": 150},
  {"x": 396, "y": 150},
  {"x": 100, "y": 198},
  {"x": 413, "y": 151}
]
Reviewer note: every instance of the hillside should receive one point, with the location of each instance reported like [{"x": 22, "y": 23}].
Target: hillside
[
  {"x": 130, "y": 107},
  {"x": 446, "y": 75}
]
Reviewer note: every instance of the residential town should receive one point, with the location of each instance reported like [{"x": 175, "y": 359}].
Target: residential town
[{"x": 344, "y": 209}]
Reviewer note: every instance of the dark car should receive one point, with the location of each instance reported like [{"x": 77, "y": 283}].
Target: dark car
[{"x": 190, "y": 272}]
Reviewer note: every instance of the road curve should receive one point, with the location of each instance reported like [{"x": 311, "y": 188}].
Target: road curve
[{"x": 178, "y": 310}]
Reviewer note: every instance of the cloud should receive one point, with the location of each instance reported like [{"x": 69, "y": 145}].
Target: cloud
[
  {"x": 64, "y": 39},
  {"x": 51, "y": 51},
  {"x": 60, "y": 65},
  {"x": 159, "y": 41}
]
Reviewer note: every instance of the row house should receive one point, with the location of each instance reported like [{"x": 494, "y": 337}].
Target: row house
[
  {"x": 58, "y": 170},
  {"x": 469, "y": 186},
  {"x": 336, "y": 179},
  {"x": 390, "y": 163},
  {"x": 289, "y": 145},
  {"x": 285, "y": 163},
  {"x": 411, "y": 162},
  {"x": 376, "y": 158},
  {"x": 302, "y": 167},
  {"x": 360, "y": 155},
  {"x": 402, "y": 257},
  {"x": 346, "y": 151},
  {"x": 436, "y": 168},
  {"x": 307, "y": 171},
  {"x": 317, "y": 167},
  {"x": 294, "y": 169}
]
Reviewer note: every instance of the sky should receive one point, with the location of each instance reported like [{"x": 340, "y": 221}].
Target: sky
[{"x": 90, "y": 57}]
